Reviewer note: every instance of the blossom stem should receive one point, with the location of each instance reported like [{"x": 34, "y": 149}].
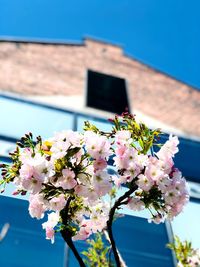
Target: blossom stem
[
  {"x": 66, "y": 234},
  {"x": 118, "y": 203}
]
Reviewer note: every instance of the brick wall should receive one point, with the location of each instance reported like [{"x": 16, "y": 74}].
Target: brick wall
[{"x": 47, "y": 69}]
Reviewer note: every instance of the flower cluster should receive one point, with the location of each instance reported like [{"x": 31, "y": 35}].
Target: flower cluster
[
  {"x": 66, "y": 176},
  {"x": 186, "y": 255},
  {"x": 160, "y": 184},
  {"x": 194, "y": 259}
]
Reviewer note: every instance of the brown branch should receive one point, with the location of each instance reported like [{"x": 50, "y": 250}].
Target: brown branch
[
  {"x": 118, "y": 203},
  {"x": 122, "y": 262},
  {"x": 66, "y": 233}
]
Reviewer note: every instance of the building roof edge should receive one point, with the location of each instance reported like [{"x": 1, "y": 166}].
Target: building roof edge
[{"x": 82, "y": 42}]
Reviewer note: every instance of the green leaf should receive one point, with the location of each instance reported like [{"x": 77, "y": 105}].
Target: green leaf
[{"x": 72, "y": 151}]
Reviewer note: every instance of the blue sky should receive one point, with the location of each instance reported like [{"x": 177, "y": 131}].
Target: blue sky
[{"x": 165, "y": 34}]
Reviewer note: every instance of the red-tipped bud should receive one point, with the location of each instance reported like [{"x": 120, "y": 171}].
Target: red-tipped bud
[{"x": 15, "y": 193}]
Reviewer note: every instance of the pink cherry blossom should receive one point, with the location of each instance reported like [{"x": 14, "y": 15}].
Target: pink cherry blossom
[
  {"x": 96, "y": 145},
  {"x": 169, "y": 149},
  {"x": 157, "y": 219},
  {"x": 58, "y": 203},
  {"x": 152, "y": 172},
  {"x": 135, "y": 204},
  {"x": 36, "y": 206},
  {"x": 26, "y": 171},
  {"x": 33, "y": 185},
  {"x": 120, "y": 150},
  {"x": 102, "y": 183},
  {"x": 99, "y": 164},
  {"x": 144, "y": 183},
  {"x": 123, "y": 138},
  {"x": 67, "y": 181},
  {"x": 83, "y": 233},
  {"x": 53, "y": 219},
  {"x": 25, "y": 155},
  {"x": 81, "y": 190},
  {"x": 50, "y": 233}
]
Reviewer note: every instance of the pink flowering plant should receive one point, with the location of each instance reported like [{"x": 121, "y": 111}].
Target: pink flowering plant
[
  {"x": 67, "y": 177},
  {"x": 186, "y": 255}
]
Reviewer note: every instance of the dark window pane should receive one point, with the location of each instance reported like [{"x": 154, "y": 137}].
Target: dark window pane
[{"x": 106, "y": 92}]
